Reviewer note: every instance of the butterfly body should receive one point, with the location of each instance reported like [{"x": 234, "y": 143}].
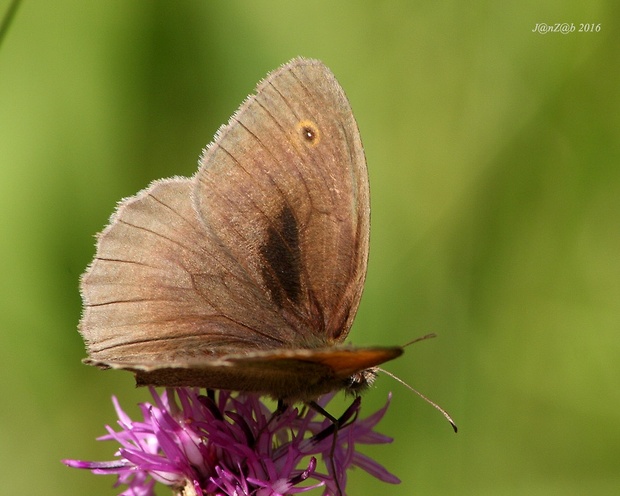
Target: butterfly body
[
  {"x": 292, "y": 375},
  {"x": 247, "y": 275}
]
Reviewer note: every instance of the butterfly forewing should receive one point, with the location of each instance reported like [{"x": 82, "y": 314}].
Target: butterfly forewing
[
  {"x": 264, "y": 248},
  {"x": 284, "y": 188}
]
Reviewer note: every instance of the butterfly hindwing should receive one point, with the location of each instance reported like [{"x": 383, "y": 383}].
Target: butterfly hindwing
[{"x": 156, "y": 288}]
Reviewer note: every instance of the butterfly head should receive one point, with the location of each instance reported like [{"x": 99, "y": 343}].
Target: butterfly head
[{"x": 360, "y": 381}]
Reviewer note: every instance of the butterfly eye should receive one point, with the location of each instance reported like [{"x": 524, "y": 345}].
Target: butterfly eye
[
  {"x": 360, "y": 381},
  {"x": 309, "y": 132}
]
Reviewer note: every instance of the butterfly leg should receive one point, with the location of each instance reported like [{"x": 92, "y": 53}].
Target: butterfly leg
[
  {"x": 332, "y": 430},
  {"x": 280, "y": 409}
]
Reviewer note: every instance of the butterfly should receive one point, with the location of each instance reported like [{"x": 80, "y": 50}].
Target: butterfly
[{"x": 246, "y": 276}]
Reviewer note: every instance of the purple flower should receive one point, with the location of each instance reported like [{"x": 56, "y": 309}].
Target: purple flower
[{"x": 225, "y": 444}]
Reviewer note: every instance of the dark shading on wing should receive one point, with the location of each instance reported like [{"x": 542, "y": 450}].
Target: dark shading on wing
[{"x": 281, "y": 273}]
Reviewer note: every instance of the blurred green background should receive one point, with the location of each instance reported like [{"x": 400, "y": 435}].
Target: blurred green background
[{"x": 494, "y": 159}]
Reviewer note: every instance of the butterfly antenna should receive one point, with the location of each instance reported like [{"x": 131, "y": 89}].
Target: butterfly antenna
[
  {"x": 428, "y": 400},
  {"x": 422, "y": 338}
]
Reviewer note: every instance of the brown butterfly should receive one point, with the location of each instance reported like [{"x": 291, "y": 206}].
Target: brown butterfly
[{"x": 246, "y": 276}]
